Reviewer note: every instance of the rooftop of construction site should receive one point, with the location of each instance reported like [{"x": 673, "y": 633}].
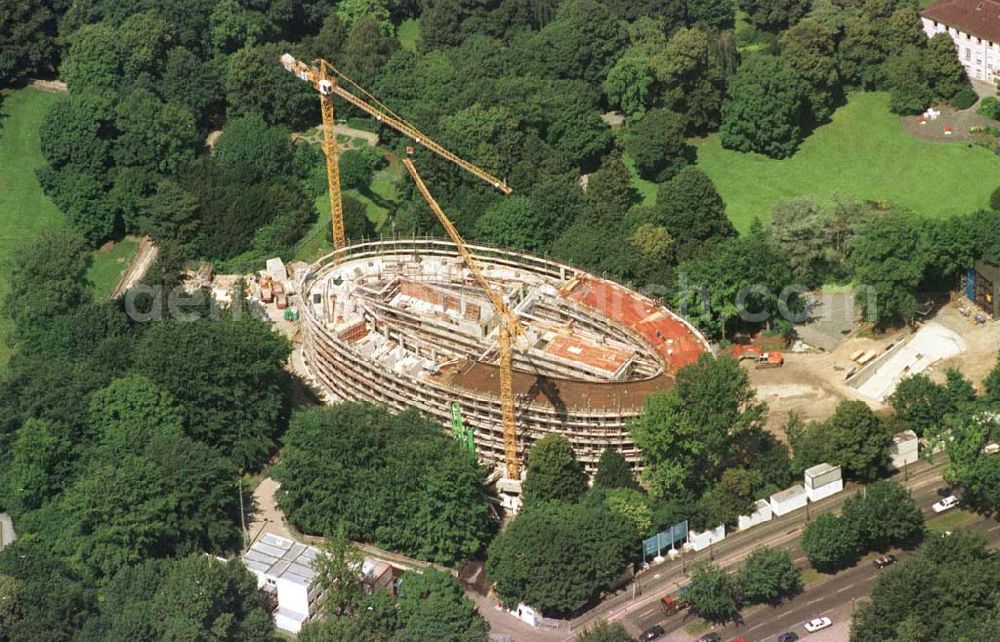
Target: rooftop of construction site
[{"x": 424, "y": 316}]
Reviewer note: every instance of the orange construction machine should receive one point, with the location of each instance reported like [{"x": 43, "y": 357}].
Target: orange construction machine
[{"x": 760, "y": 358}]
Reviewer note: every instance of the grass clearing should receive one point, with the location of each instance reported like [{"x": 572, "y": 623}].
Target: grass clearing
[
  {"x": 953, "y": 520},
  {"x": 24, "y": 209},
  {"x": 863, "y": 153},
  {"x": 646, "y": 189},
  {"x": 408, "y": 33},
  {"x": 810, "y": 575},
  {"x": 109, "y": 265},
  {"x": 697, "y": 627}
]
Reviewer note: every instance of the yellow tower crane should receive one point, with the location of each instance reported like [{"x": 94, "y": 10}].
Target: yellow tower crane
[
  {"x": 326, "y": 79},
  {"x": 509, "y": 331}
]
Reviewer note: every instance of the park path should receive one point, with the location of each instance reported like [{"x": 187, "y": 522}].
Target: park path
[{"x": 137, "y": 269}]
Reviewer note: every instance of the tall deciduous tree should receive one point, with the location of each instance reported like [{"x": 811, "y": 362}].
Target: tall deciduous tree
[
  {"x": 692, "y": 432},
  {"x": 885, "y": 515},
  {"x": 769, "y": 575},
  {"x": 888, "y": 263},
  {"x": 28, "y": 29},
  {"x": 693, "y": 212},
  {"x": 658, "y": 145},
  {"x": 831, "y": 543},
  {"x": 808, "y": 49},
  {"x": 765, "y": 109},
  {"x": 557, "y": 557},
  {"x": 713, "y": 594},
  {"x": 432, "y": 606},
  {"x": 554, "y": 474},
  {"x": 774, "y": 15},
  {"x": 613, "y": 471}
]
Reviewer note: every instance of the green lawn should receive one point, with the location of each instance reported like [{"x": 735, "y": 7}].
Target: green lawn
[
  {"x": 863, "y": 153},
  {"x": 953, "y": 520},
  {"x": 408, "y": 33},
  {"x": 109, "y": 264},
  {"x": 24, "y": 209},
  {"x": 646, "y": 189}
]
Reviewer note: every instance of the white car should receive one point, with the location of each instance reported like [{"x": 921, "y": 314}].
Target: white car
[
  {"x": 818, "y": 624},
  {"x": 947, "y": 503}
]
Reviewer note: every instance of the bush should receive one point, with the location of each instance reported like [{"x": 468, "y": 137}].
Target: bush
[
  {"x": 995, "y": 200},
  {"x": 989, "y": 108},
  {"x": 965, "y": 98}
]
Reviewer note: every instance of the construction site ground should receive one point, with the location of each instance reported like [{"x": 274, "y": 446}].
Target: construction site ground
[{"x": 813, "y": 383}]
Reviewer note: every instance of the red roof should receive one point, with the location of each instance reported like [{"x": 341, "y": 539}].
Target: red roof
[{"x": 980, "y": 18}]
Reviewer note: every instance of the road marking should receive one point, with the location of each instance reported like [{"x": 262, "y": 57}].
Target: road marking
[
  {"x": 754, "y": 628},
  {"x": 818, "y": 599},
  {"x": 849, "y": 586}
]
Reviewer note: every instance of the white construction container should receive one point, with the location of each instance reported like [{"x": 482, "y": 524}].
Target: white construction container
[
  {"x": 904, "y": 449},
  {"x": 699, "y": 541},
  {"x": 761, "y": 513},
  {"x": 788, "y": 500},
  {"x": 823, "y": 480}
]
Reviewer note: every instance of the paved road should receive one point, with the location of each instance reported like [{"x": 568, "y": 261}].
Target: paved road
[
  {"x": 833, "y": 596},
  {"x": 783, "y": 532},
  {"x": 7, "y": 534}
]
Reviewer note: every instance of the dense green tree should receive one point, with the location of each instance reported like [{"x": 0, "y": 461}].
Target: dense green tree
[
  {"x": 888, "y": 263},
  {"x": 957, "y": 573},
  {"x": 48, "y": 278},
  {"x": 171, "y": 214},
  {"x": 376, "y": 621},
  {"x": 633, "y": 505},
  {"x": 38, "y": 466},
  {"x": 155, "y": 136},
  {"x": 448, "y": 23},
  {"x": 366, "y": 50},
  {"x": 733, "y": 495},
  {"x": 432, "y": 606},
  {"x": 610, "y": 192},
  {"x": 831, "y": 543},
  {"x": 692, "y": 211},
  {"x": 399, "y": 481},
  {"x": 691, "y": 433},
  {"x": 885, "y": 515},
  {"x": 511, "y": 222},
  {"x": 28, "y": 33},
  {"x": 629, "y": 85},
  {"x": 690, "y": 72},
  {"x": 338, "y": 574},
  {"x": 765, "y": 109},
  {"x": 75, "y": 131},
  {"x": 742, "y": 283},
  {"x": 800, "y": 227},
  {"x": 604, "y": 632},
  {"x": 943, "y": 69},
  {"x": 714, "y": 594},
  {"x": 909, "y": 87},
  {"x": 196, "y": 84},
  {"x": 253, "y": 151},
  {"x": 357, "y": 167},
  {"x": 613, "y": 471},
  {"x": 657, "y": 145},
  {"x": 711, "y": 14},
  {"x": 808, "y": 50},
  {"x": 196, "y": 598},
  {"x": 582, "y": 42},
  {"x": 854, "y": 437},
  {"x": 124, "y": 415},
  {"x": 768, "y": 575},
  {"x": 227, "y": 377},
  {"x": 557, "y": 557},
  {"x": 968, "y": 465},
  {"x": 921, "y": 404},
  {"x": 255, "y": 83},
  {"x": 774, "y": 15},
  {"x": 554, "y": 474}
]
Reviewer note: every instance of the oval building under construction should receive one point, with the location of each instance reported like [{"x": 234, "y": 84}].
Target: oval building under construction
[{"x": 403, "y": 323}]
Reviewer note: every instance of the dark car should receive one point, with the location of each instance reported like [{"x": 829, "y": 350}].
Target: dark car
[
  {"x": 710, "y": 637},
  {"x": 791, "y": 636},
  {"x": 884, "y": 560},
  {"x": 651, "y": 633}
]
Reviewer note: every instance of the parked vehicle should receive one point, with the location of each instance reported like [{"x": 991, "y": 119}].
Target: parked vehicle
[
  {"x": 651, "y": 633},
  {"x": 710, "y": 637},
  {"x": 947, "y": 503},
  {"x": 818, "y": 624},
  {"x": 884, "y": 560},
  {"x": 672, "y": 606},
  {"x": 791, "y": 636}
]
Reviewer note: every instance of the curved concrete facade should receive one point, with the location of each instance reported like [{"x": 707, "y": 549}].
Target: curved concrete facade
[{"x": 401, "y": 323}]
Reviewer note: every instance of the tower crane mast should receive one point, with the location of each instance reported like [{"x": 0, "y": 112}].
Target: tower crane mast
[
  {"x": 325, "y": 78},
  {"x": 510, "y": 330}
]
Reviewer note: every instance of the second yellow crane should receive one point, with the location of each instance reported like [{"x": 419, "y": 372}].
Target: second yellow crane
[{"x": 326, "y": 79}]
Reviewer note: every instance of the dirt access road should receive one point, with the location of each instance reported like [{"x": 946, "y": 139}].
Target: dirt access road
[{"x": 812, "y": 384}]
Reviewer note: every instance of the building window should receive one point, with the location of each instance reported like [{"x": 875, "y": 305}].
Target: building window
[
  {"x": 271, "y": 581},
  {"x": 968, "y": 54}
]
